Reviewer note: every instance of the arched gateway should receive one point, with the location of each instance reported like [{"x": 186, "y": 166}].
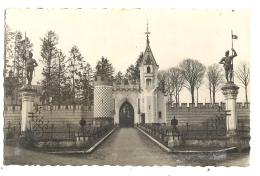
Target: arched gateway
[
  {"x": 126, "y": 115},
  {"x": 138, "y": 99}
]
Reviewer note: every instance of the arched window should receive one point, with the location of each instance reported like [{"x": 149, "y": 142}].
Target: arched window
[
  {"x": 148, "y": 82},
  {"x": 148, "y": 69}
]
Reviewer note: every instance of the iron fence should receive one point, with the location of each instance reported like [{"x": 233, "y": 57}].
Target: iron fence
[
  {"x": 214, "y": 127},
  {"x": 12, "y": 131},
  {"x": 42, "y": 129}
]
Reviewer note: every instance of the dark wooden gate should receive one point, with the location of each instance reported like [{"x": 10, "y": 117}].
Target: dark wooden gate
[{"x": 126, "y": 115}]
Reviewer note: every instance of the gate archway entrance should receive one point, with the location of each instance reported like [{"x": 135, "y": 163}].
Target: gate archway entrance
[{"x": 126, "y": 115}]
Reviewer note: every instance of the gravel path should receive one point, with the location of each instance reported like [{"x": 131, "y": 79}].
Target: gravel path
[{"x": 126, "y": 146}]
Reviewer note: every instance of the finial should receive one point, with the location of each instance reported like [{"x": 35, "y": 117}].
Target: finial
[{"x": 147, "y": 34}]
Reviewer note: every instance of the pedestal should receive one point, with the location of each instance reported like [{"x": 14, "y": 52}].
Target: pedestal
[
  {"x": 82, "y": 141},
  {"x": 173, "y": 141},
  {"x": 28, "y": 94},
  {"x": 230, "y": 91},
  {"x": 97, "y": 122}
]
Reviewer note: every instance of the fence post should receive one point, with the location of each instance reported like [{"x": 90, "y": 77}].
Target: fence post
[
  {"x": 207, "y": 123},
  {"x": 187, "y": 127},
  {"x": 69, "y": 126},
  {"x": 242, "y": 126},
  {"x": 52, "y": 125},
  {"x": 14, "y": 130}
]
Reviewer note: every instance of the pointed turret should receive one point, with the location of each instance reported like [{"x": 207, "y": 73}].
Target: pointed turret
[
  {"x": 148, "y": 83},
  {"x": 148, "y": 58}
]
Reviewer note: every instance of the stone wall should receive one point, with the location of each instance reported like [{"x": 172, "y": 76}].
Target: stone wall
[
  {"x": 197, "y": 115},
  {"x": 193, "y": 115},
  {"x": 59, "y": 117}
]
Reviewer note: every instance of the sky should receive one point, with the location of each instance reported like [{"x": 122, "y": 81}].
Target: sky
[{"x": 119, "y": 35}]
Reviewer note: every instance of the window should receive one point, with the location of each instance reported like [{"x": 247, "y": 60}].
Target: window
[
  {"x": 148, "y": 69},
  {"x": 148, "y": 82}
]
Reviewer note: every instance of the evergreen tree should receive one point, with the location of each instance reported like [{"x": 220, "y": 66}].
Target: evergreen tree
[
  {"x": 133, "y": 72},
  {"x": 119, "y": 76},
  {"x": 8, "y": 48},
  {"x": 104, "y": 68},
  {"x": 59, "y": 76},
  {"x": 75, "y": 66},
  {"x": 86, "y": 95},
  {"x": 49, "y": 55}
]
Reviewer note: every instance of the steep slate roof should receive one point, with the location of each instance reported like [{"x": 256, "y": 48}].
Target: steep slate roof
[{"x": 148, "y": 57}]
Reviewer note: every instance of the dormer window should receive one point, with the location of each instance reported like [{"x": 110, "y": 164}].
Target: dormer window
[
  {"x": 148, "y": 69},
  {"x": 148, "y": 60}
]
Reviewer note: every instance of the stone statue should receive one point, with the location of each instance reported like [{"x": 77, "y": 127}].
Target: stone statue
[
  {"x": 98, "y": 67},
  {"x": 30, "y": 63},
  {"x": 228, "y": 66}
]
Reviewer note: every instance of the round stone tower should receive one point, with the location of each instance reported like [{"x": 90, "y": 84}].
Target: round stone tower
[{"x": 103, "y": 100}]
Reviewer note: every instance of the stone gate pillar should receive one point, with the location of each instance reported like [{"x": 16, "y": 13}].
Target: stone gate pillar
[
  {"x": 28, "y": 94},
  {"x": 230, "y": 91}
]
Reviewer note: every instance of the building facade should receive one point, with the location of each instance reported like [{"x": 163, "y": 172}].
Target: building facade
[{"x": 130, "y": 102}]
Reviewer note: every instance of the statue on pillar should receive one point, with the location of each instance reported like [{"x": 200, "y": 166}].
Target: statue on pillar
[
  {"x": 228, "y": 64},
  {"x": 98, "y": 67},
  {"x": 30, "y": 63}
]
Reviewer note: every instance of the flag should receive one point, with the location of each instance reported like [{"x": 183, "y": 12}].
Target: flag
[{"x": 234, "y": 37}]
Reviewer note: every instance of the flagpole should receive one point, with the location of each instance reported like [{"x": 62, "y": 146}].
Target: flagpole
[
  {"x": 25, "y": 41},
  {"x": 24, "y": 77},
  {"x": 232, "y": 55},
  {"x": 232, "y": 39}
]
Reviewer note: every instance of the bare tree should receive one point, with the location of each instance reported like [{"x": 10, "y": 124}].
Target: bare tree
[
  {"x": 243, "y": 74},
  {"x": 192, "y": 71},
  {"x": 165, "y": 84},
  {"x": 176, "y": 81},
  {"x": 162, "y": 76},
  {"x": 209, "y": 85},
  {"x": 214, "y": 77},
  {"x": 197, "y": 86}
]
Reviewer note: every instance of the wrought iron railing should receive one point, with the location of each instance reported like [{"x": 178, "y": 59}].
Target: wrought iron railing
[
  {"x": 43, "y": 129},
  {"x": 12, "y": 131},
  {"x": 212, "y": 128}
]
